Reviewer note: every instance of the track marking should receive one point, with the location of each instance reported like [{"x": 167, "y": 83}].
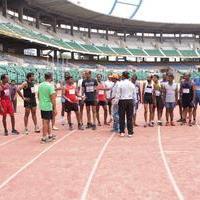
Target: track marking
[
  {"x": 169, "y": 173},
  {"x": 198, "y": 126},
  {"x": 92, "y": 173},
  {"x": 3, "y": 184},
  {"x": 11, "y": 140}
]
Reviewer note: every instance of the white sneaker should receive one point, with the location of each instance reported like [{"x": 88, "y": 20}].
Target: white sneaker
[
  {"x": 37, "y": 129},
  {"x": 55, "y": 128},
  {"x": 26, "y": 132},
  {"x": 122, "y": 134}
]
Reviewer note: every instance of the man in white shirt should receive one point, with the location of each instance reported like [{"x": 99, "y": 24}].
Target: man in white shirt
[
  {"x": 126, "y": 94},
  {"x": 109, "y": 84}
]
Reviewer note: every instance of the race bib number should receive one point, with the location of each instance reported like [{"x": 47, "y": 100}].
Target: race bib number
[
  {"x": 72, "y": 91},
  {"x": 7, "y": 92},
  {"x": 186, "y": 91},
  {"x": 157, "y": 92},
  {"x": 32, "y": 89},
  {"x": 101, "y": 92},
  {"x": 90, "y": 89},
  {"x": 148, "y": 90}
]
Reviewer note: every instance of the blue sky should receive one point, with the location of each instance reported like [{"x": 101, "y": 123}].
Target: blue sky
[{"x": 173, "y": 11}]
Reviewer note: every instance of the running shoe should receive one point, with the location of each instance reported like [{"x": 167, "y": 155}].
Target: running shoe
[
  {"x": 52, "y": 137},
  {"x": 122, "y": 135},
  {"x": 37, "y": 129},
  {"x": 15, "y": 132},
  {"x": 130, "y": 135},
  {"x": 80, "y": 127},
  {"x": 45, "y": 140},
  {"x": 94, "y": 127},
  {"x": 6, "y": 133},
  {"x": 159, "y": 123},
  {"x": 55, "y": 128},
  {"x": 26, "y": 132},
  {"x": 89, "y": 125},
  {"x": 194, "y": 122},
  {"x": 145, "y": 125},
  {"x": 183, "y": 122},
  {"x": 180, "y": 120}
]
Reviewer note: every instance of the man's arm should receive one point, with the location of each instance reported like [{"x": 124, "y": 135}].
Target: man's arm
[
  {"x": 22, "y": 86},
  {"x": 53, "y": 101}
]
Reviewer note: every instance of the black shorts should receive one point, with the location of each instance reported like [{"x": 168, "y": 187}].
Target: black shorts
[
  {"x": 102, "y": 103},
  {"x": 159, "y": 102},
  {"x": 48, "y": 115},
  {"x": 81, "y": 103},
  {"x": 148, "y": 99},
  {"x": 90, "y": 103},
  {"x": 187, "y": 103},
  {"x": 30, "y": 104},
  {"x": 71, "y": 106},
  {"x": 109, "y": 103}
]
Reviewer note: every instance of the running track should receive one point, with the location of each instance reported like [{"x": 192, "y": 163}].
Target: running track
[{"x": 156, "y": 164}]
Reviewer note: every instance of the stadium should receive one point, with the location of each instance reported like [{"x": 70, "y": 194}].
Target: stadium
[{"x": 60, "y": 37}]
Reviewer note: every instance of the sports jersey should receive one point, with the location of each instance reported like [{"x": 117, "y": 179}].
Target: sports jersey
[{"x": 70, "y": 93}]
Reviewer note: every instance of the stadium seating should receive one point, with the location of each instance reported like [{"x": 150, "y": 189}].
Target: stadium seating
[{"x": 170, "y": 52}]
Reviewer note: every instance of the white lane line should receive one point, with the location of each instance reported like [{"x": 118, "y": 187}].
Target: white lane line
[
  {"x": 11, "y": 140},
  {"x": 198, "y": 126},
  {"x": 171, "y": 177},
  {"x": 7, "y": 181},
  {"x": 92, "y": 173}
]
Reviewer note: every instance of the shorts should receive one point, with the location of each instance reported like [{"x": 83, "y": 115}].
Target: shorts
[
  {"x": 197, "y": 99},
  {"x": 109, "y": 103},
  {"x": 71, "y": 107},
  {"x": 90, "y": 103},
  {"x": 187, "y": 103},
  {"x": 81, "y": 103},
  {"x": 159, "y": 102},
  {"x": 170, "y": 105},
  {"x": 30, "y": 104},
  {"x": 7, "y": 107},
  {"x": 148, "y": 99},
  {"x": 102, "y": 103},
  {"x": 47, "y": 115}
]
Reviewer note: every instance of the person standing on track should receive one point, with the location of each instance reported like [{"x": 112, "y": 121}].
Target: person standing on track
[
  {"x": 158, "y": 97},
  {"x": 81, "y": 101},
  {"x": 126, "y": 94},
  {"x": 187, "y": 98},
  {"x": 6, "y": 106},
  {"x": 115, "y": 107},
  {"x": 13, "y": 94},
  {"x": 138, "y": 98},
  {"x": 30, "y": 103},
  {"x": 47, "y": 102},
  {"x": 70, "y": 94},
  {"x": 147, "y": 100},
  {"x": 109, "y": 84},
  {"x": 180, "y": 106},
  {"x": 101, "y": 99},
  {"x": 196, "y": 82},
  {"x": 89, "y": 91},
  {"x": 170, "y": 99}
]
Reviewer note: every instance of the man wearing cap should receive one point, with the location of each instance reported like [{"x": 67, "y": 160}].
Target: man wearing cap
[{"x": 126, "y": 94}]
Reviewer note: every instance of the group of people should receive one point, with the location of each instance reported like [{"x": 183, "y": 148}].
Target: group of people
[{"x": 119, "y": 97}]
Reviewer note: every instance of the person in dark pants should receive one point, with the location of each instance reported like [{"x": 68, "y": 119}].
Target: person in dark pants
[{"x": 126, "y": 94}]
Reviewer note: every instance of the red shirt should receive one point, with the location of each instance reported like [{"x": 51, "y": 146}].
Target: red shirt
[
  {"x": 101, "y": 92},
  {"x": 5, "y": 93},
  {"x": 70, "y": 93}
]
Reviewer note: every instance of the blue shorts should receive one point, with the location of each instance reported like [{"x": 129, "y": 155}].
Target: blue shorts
[
  {"x": 197, "y": 99},
  {"x": 170, "y": 105}
]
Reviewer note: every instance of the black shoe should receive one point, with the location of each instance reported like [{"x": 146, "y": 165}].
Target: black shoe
[
  {"x": 180, "y": 120},
  {"x": 89, "y": 125},
  {"x": 80, "y": 127},
  {"x": 46, "y": 140},
  {"x": 52, "y": 137},
  {"x": 15, "y": 132},
  {"x": 6, "y": 133},
  {"x": 94, "y": 127}
]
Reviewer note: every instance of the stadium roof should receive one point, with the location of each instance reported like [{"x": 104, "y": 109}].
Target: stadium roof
[{"x": 66, "y": 11}]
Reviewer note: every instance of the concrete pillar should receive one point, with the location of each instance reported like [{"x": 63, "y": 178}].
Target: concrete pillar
[
  {"x": 54, "y": 25},
  {"x": 20, "y": 13},
  {"x": 124, "y": 36},
  {"x": 38, "y": 53},
  {"x": 72, "y": 30},
  {"x": 37, "y": 21},
  {"x": 55, "y": 55},
  {"x": 89, "y": 32},
  {"x": 107, "y": 34},
  {"x": 4, "y": 7}
]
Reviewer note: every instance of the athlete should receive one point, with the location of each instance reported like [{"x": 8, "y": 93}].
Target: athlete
[
  {"x": 170, "y": 99},
  {"x": 30, "y": 103},
  {"x": 6, "y": 106},
  {"x": 158, "y": 99},
  {"x": 101, "y": 99},
  {"x": 187, "y": 98},
  {"x": 89, "y": 91},
  {"x": 147, "y": 100},
  {"x": 71, "y": 102},
  {"x": 138, "y": 98}
]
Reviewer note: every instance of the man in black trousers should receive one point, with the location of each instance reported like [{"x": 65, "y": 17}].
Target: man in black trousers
[{"x": 126, "y": 93}]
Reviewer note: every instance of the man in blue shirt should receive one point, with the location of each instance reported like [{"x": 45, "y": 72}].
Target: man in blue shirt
[{"x": 197, "y": 97}]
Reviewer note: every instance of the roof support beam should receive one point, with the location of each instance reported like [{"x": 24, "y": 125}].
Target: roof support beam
[
  {"x": 4, "y": 7},
  {"x": 21, "y": 13}
]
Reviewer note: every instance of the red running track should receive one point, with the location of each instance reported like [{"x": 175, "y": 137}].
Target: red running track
[{"x": 157, "y": 163}]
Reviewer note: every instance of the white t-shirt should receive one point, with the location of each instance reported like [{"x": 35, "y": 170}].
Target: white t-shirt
[
  {"x": 171, "y": 92},
  {"x": 79, "y": 85},
  {"x": 109, "y": 85}
]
